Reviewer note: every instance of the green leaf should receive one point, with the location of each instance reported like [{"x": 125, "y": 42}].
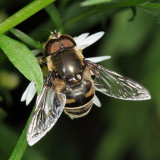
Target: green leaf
[
  {"x": 85, "y": 12},
  {"x": 113, "y": 3},
  {"x": 75, "y": 14},
  {"x": 83, "y": 18},
  {"x": 95, "y": 2},
  {"x": 26, "y": 39},
  {"x": 23, "y": 14},
  {"x": 151, "y": 8},
  {"x": 23, "y": 59},
  {"x": 55, "y": 17}
]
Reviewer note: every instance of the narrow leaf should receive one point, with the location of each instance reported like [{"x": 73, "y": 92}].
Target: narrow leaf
[
  {"x": 100, "y": 6},
  {"x": 113, "y": 3},
  {"x": 26, "y": 39},
  {"x": 55, "y": 17},
  {"x": 23, "y": 59},
  {"x": 151, "y": 8}
]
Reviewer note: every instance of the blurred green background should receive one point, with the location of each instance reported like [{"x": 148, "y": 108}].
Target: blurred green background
[{"x": 119, "y": 130}]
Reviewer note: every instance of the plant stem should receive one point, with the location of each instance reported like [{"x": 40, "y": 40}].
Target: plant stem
[
  {"x": 23, "y": 14},
  {"x": 22, "y": 143},
  {"x": 20, "y": 147}
]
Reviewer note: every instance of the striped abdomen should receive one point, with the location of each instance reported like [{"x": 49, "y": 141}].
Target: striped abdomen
[{"x": 79, "y": 99}]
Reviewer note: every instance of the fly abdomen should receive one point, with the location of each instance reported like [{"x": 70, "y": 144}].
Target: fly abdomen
[
  {"x": 79, "y": 99},
  {"x": 80, "y": 111}
]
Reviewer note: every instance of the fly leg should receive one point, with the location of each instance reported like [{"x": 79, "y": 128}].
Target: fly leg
[
  {"x": 92, "y": 67},
  {"x": 42, "y": 61}
]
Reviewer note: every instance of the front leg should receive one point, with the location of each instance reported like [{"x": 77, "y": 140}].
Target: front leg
[{"x": 42, "y": 61}]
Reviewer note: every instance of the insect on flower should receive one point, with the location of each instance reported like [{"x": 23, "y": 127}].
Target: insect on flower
[{"x": 72, "y": 82}]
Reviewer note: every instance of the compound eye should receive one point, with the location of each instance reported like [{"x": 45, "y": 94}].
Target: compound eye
[
  {"x": 55, "y": 47},
  {"x": 52, "y": 46},
  {"x": 67, "y": 42}
]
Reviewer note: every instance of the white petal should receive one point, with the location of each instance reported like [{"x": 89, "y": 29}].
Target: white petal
[
  {"x": 91, "y": 39},
  {"x": 36, "y": 52},
  {"x": 31, "y": 93},
  {"x": 24, "y": 96},
  {"x": 74, "y": 38},
  {"x": 97, "y": 101},
  {"x": 81, "y": 38},
  {"x": 82, "y": 47},
  {"x": 98, "y": 59}
]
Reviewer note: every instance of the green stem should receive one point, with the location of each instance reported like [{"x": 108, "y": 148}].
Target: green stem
[
  {"x": 23, "y": 14},
  {"x": 21, "y": 144},
  {"x": 20, "y": 147}
]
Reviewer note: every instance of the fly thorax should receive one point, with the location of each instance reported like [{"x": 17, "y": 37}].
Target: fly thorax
[
  {"x": 68, "y": 65},
  {"x": 74, "y": 79}
]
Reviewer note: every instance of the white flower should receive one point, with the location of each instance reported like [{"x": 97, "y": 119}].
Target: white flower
[
  {"x": 82, "y": 42},
  {"x": 98, "y": 59},
  {"x": 36, "y": 52},
  {"x": 29, "y": 93},
  {"x": 96, "y": 101}
]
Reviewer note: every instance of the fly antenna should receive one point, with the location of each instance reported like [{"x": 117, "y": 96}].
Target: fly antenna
[{"x": 54, "y": 34}]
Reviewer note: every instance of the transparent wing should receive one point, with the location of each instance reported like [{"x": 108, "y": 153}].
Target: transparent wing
[
  {"x": 115, "y": 85},
  {"x": 49, "y": 107}
]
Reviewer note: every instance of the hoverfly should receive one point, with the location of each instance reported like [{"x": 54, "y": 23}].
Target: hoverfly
[{"x": 72, "y": 82}]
